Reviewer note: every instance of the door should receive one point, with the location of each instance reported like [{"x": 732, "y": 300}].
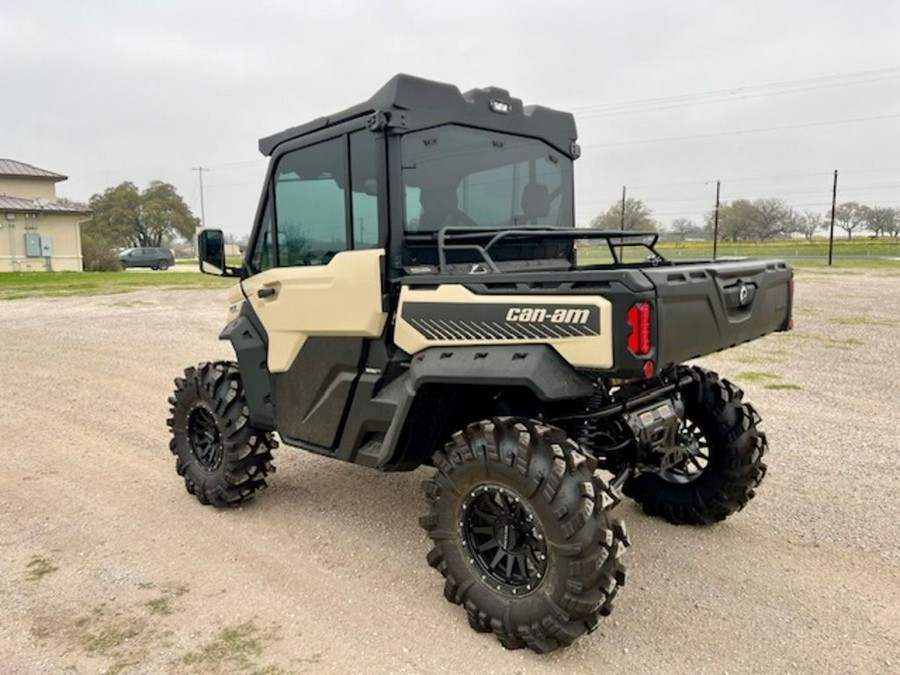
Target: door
[{"x": 317, "y": 286}]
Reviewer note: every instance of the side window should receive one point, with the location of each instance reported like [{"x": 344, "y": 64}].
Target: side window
[
  {"x": 311, "y": 217},
  {"x": 263, "y": 257},
  {"x": 364, "y": 189}
]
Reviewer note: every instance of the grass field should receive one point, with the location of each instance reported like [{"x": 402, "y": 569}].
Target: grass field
[
  {"x": 864, "y": 252},
  {"x": 15, "y": 285},
  {"x": 816, "y": 248},
  {"x": 849, "y": 256},
  {"x": 234, "y": 261}
]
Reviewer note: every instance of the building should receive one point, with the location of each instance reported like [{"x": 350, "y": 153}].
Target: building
[{"x": 37, "y": 233}]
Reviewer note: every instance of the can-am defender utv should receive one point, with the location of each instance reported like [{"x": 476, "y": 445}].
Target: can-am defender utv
[{"x": 412, "y": 295}]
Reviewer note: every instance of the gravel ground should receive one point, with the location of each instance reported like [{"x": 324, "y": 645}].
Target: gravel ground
[{"x": 108, "y": 565}]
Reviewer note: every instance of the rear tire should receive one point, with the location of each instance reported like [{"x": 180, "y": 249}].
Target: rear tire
[
  {"x": 162, "y": 265},
  {"x": 522, "y": 533},
  {"x": 734, "y": 461},
  {"x": 224, "y": 459}
]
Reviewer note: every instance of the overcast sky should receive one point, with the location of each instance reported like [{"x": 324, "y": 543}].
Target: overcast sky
[{"x": 106, "y": 92}]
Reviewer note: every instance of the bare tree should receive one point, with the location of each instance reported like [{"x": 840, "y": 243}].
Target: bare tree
[
  {"x": 849, "y": 216},
  {"x": 882, "y": 221},
  {"x": 743, "y": 220},
  {"x": 807, "y": 223},
  {"x": 685, "y": 227},
  {"x": 774, "y": 218}
]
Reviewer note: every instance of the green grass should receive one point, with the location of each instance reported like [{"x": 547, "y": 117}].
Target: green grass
[
  {"x": 234, "y": 261},
  {"x": 789, "y": 248},
  {"x": 846, "y": 265},
  {"x": 865, "y": 321},
  {"x": 768, "y": 380},
  {"x": 234, "y": 649},
  {"x": 14, "y": 285},
  {"x": 853, "y": 254},
  {"x": 97, "y": 634},
  {"x": 39, "y": 567},
  {"x": 757, "y": 376},
  {"x": 161, "y": 605}
]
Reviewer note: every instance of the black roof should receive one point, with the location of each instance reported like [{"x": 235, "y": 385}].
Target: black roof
[{"x": 426, "y": 103}]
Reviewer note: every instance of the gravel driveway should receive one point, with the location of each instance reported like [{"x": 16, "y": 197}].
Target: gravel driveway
[{"x": 108, "y": 565}]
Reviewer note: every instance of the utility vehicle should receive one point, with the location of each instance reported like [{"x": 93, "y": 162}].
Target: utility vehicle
[{"x": 415, "y": 293}]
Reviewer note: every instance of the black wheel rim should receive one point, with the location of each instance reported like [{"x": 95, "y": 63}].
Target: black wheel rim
[
  {"x": 204, "y": 437},
  {"x": 504, "y": 539},
  {"x": 694, "y": 458}
]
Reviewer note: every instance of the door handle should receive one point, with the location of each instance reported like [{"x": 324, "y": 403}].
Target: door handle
[{"x": 267, "y": 292}]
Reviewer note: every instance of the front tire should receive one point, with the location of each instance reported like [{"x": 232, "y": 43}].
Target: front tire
[
  {"x": 522, "y": 533},
  {"x": 224, "y": 459},
  {"x": 721, "y": 475}
]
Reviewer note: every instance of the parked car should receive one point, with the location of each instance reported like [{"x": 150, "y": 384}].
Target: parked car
[{"x": 154, "y": 258}]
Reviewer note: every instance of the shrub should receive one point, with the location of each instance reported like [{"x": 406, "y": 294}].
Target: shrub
[{"x": 98, "y": 255}]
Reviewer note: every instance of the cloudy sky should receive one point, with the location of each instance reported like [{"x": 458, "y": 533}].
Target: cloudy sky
[{"x": 769, "y": 97}]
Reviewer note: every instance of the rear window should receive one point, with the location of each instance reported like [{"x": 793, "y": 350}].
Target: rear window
[{"x": 460, "y": 177}]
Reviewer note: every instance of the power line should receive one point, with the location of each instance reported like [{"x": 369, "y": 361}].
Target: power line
[
  {"x": 241, "y": 162},
  {"x": 745, "y": 131},
  {"x": 738, "y": 179},
  {"x": 709, "y": 101},
  {"x": 736, "y": 93}
]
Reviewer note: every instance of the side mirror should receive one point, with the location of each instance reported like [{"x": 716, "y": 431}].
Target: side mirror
[{"x": 211, "y": 245}]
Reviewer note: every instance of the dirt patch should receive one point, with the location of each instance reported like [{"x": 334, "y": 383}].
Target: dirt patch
[{"x": 107, "y": 565}]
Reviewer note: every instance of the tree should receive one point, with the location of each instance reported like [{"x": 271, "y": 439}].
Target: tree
[
  {"x": 848, "y": 216},
  {"x": 743, "y": 220},
  {"x": 126, "y": 216},
  {"x": 881, "y": 220},
  {"x": 637, "y": 217},
  {"x": 685, "y": 228},
  {"x": 737, "y": 220},
  {"x": 774, "y": 218},
  {"x": 807, "y": 224}
]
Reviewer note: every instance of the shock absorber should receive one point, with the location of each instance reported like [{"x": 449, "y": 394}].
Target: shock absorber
[{"x": 606, "y": 439}]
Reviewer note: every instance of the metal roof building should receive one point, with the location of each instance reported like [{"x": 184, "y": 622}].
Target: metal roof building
[{"x": 38, "y": 232}]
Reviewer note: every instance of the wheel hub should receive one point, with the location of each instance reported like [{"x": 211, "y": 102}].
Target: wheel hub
[
  {"x": 504, "y": 539},
  {"x": 691, "y": 456},
  {"x": 508, "y": 535},
  {"x": 204, "y": 437}
]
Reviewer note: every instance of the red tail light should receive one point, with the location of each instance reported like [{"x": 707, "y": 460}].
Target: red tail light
[{"x": 639, "y": 342}]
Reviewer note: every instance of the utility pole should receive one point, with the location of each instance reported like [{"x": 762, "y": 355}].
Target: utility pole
[
  {"x": 716, "y": 220},
  {"x": 833, "y": 206},
  {"x": 200, "y": 170},
  {"x": 623, "y": 208}
]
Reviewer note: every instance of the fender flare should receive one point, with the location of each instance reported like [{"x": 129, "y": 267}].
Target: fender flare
[
  {"x": 249, "y": 342},
  {"x": 538, "y": 368}
]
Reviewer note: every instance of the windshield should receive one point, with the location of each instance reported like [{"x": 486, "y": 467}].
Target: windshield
[{"x": 460, "y": 177}]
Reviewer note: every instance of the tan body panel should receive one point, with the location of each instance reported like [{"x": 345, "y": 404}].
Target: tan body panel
[
  {"x": 585, "y": 351},
  {"x": 340, "y": 298}
]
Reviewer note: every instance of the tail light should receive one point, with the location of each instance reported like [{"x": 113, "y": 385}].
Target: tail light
[{"x": 639, "y": 342}]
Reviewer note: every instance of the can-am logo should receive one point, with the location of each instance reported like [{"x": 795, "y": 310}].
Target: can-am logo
[{"x": 545, "y": 315}]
